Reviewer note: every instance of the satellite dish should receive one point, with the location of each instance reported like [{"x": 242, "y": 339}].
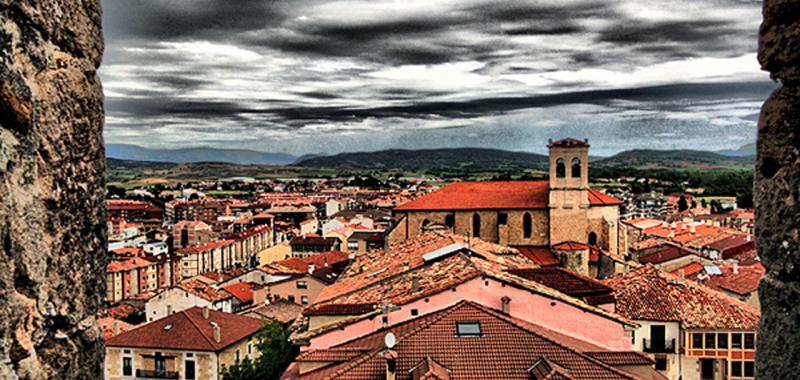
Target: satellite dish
[{"x": 389, "y": 340}]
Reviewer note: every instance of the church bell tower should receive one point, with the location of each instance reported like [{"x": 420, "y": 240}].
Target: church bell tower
[{"x": 569, "y": 190}]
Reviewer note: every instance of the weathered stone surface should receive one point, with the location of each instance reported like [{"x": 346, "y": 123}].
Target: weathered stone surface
[
  {"x": 777, "y": 194},
  {"x": 52, "y": 229}
]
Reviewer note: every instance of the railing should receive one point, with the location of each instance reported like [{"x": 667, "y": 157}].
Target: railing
[
  {"x": 661, "y": 346},
  {"x": 145, "y": 374}
]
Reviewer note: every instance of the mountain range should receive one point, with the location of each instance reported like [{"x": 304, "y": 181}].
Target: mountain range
[{"x": 198, "y": 154}]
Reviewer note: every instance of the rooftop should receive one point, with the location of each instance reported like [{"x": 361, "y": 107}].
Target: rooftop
[
  {"x": 493, "y": 195},
  {"x": 508, "y": 348},
  {"x": 647, "y": 293},
  {"x": 189, "y": 330}
]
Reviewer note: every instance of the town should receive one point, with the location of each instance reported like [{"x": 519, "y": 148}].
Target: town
[{"x": 425, "y": 278}]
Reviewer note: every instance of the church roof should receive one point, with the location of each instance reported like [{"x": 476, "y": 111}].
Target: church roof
[
  {"x": 569, "y": 143},
  {"x": 494, "y": 195}
]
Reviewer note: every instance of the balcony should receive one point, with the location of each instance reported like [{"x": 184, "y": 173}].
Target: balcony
[
  {"x": 659, "y": 347},
  {"x": 145, "y": 374}
]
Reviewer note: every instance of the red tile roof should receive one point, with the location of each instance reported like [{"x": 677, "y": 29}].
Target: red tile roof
[
  {"x": 322, "y": 260},
  {"x": 189, "y": 330},
  {"x": 540, "y": 255},
  {"x": 667, "y": 253},
  {"x": 744, "y": 282},
  {"x": 567, "y": 282},
  {"x": 206, "y": 247},
  {"x": 507, "y": 348},
  {"x": 647, "y": 293},
  {"x": 494, "y": 195},
  {"x": 243, "y": 291},
  {"x": 200, "y": 289},
  {"x": 570, "y": 246},
  {"x": 689, "y": 270}
]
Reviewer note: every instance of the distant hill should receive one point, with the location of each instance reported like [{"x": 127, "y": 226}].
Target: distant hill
[
  {"x": 450, "y": 158},
  {"x": 743, "y": 151},
  {"x": 200, "y": 154},
  {"x": 645, "y": 158}
]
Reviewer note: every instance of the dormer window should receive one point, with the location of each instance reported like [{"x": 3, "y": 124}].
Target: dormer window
[
  {"x": 561, "y": 168},
  {"x": 468, "y": 328},
  {"x": 576, "y": 168}
]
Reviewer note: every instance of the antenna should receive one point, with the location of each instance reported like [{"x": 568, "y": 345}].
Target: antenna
[{"x": 390, "y": 340}]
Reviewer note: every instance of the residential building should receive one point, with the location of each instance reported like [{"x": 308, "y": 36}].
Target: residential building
[
  {"x": 190, "y": 233},
  {"x": 304, "y": 246},
  {"x": 193, "y": 344},
  {"x": 188, "y": 294},
  {"x": 467, "y": 340},
  {"x": 694, "y": 332}
]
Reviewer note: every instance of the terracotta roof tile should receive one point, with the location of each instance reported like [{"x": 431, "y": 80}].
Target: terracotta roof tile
[
  {"x": 189, "y": 330},
  {"x": 243, "y": 291},
  {"x": 539, "y": 255},
  {"x": 507, "y": 347},
  {"x": 200, "y": 289},
  {"x": 647, "y": 293},
  {"x": 667, "y": 253}
]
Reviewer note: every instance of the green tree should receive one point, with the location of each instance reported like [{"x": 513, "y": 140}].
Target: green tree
[{"x": 276, "y": 352}]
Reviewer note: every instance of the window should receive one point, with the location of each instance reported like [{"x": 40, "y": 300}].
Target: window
[
  {"x": 576, "y": 168},
  {"x": 188, "y": 368},
  {"x": 468, "y": 328},
  {"x": 127, "y": 366},
  {"x": 237, "y": 356},
  {"x": 302, "y": 285},
  {"x": 476, "y": 225},
  {"x": 502, "y": 218},
  {"x": 711, "y": 340},
  {"x": 736, "y": 340},
  {"x": 290, "y": 298},
  {"x": 249, "y": 349},
  {"x": 304, "y": 300},
  {"x": 592, "y": 238},
  {"x": 161, "y": 363},
  {"x": 697, "y": 340},
  {"x": 736, "y": 369},
  {"x": 527, "y": 226},
  {"x": 414, "y": 312},
  {"x": 749, "y": 369},
  {"x": 722, "y": 340},
  {"x": 450, "y": 220},
  {"x": 661, "y": 363},
  {"x": 561, "y": 168},
  {"x": 749, "y": 341}
]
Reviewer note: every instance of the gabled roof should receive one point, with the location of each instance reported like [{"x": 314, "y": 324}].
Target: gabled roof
[
  {"x": 243, "y": 291},
  {"x": 507, "y": 347},
  {"x": 202, "y": 290},
  {"x": 539, "y": 255},
  {"x": 667, "y": 253},
  {"x": 569, "y": 283},
  {"x": 647, "y": 293},
  {"x": 189, "y": 330}
]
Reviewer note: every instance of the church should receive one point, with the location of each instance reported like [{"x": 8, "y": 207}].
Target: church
[{"x": 560, "y": 221}]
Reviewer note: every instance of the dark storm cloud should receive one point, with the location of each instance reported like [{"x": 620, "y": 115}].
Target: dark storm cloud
[{"x": 248, "y": 69}]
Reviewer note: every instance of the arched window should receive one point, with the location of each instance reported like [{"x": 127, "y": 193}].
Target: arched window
[
  {"x": 527, "y": 226},
  {"x": 561, "y": 168},
  {"x": 576, "y": 168},
  {"x": 450, "y": 220},
  {"x": 476, "y": 225},
  {"x": 592, "y": 238}
]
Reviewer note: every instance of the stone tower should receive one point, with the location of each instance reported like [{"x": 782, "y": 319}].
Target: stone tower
[{"x": 569, "y": 190}]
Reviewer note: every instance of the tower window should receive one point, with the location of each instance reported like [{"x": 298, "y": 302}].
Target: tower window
[
  {"x": 561, "y": 168},
  {"x": 576, "y": 168},
  {"x": 476, "y": 225},
  {"x": 592, "y": 238},
  {"x": 450, "y": 220},
  {"x": 527, "y": 226}
]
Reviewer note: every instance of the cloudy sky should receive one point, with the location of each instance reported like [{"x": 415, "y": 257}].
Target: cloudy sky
[{"x": 312, "y": 76}]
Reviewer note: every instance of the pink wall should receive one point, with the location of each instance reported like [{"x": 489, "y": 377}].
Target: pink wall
[{"x": 550, "y": 313}]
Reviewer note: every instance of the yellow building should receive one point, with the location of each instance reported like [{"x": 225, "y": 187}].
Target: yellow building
[
  {"x": 193, "y": 344},
  {"x": 275, "y": 253}
]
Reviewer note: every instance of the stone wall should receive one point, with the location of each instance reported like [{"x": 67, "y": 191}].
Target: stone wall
[
  {"x": 52, "y": 214},
  {"x": 777, "y": 195}
]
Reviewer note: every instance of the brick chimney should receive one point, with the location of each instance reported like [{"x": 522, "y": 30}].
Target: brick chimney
[
  {"x": 205, "y": 312},
  {"x": 506, "y": 301}
]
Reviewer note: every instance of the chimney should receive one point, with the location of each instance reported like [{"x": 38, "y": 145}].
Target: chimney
[
  {"x": 415, "y": 287},
  {"x": 749, "y": 237},
  {"x": 169, "y": 309},
  {"x": 391, "y": 364},
  {"x": 310, "y": 268},
  {"x": 506, "y": 305},
  {"x": 406, "y": 266},
  {"x": 735, "y": 267},
  {"x": 692, "y": 229},
  {"x": 217, "y": 332},
  {"x": 681, "y": 273},
  {"x": 205, "y": 312},
  {"x": 115, "y": 328}
]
